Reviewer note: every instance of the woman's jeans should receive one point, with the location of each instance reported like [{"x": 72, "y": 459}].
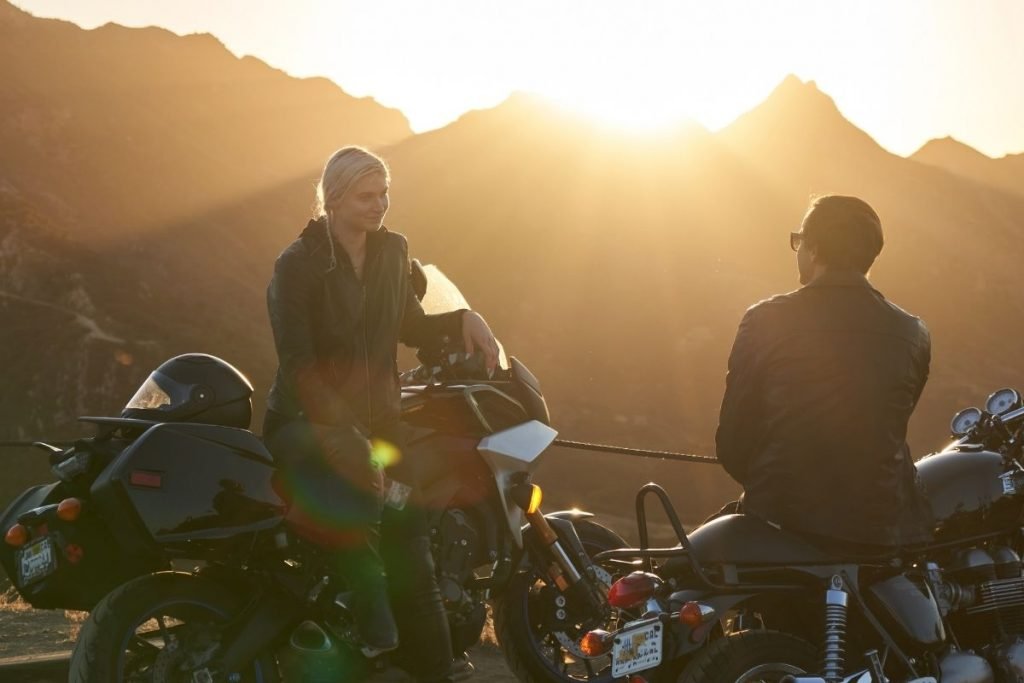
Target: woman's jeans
[{"x": 335, "y": 496}]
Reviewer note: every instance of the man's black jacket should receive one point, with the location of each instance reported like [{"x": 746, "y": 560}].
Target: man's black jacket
[
  {"x": 337, "y": 336},
  {"x": 821, "y": 385}
]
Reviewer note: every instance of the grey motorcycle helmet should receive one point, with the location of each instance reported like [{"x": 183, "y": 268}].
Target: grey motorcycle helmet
[{"x": 194, "y": 387}]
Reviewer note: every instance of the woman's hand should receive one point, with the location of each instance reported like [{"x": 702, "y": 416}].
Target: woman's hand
[{"x": 477, "y": 335}]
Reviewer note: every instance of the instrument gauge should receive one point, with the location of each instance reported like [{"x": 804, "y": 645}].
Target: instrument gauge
[
  {"x": 1002, "y": 401},
  {"x": 965, "y": 421}
]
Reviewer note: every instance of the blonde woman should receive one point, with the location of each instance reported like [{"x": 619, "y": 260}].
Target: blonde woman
[{"x": 340, "y": 300}]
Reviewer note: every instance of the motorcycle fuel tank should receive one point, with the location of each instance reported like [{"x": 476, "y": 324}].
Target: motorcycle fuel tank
[
  {"x": 971, "y": 492},
  {"x": 186, "y": 482}
]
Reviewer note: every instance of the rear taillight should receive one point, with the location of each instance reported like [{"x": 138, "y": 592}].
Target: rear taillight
[
  {"x": 633, "y": 589},
  {"x": 16, "y": 536}
]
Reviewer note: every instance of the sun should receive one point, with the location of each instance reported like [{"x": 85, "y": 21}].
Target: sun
[{"x": 623, "y": 112}]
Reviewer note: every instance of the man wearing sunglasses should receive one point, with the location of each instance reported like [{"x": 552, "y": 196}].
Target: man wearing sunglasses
[{"x": 821, "y": 384}]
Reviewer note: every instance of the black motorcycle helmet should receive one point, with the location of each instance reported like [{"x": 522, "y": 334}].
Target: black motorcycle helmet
[{"x": 194, "y": 387}]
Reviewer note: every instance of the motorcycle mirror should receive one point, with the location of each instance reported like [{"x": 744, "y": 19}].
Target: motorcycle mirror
[{"x": 419, "y": 279}]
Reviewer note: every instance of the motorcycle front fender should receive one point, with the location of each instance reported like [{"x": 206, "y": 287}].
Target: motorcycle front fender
[{"x": 561, "y": 521}]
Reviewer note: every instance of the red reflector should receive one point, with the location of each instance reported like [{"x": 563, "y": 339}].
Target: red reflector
[
  {"x": 41, "y": 530},
  {"x": 74, "y": 553},
  {"x": 152, "y": 480},
  {"x": 633, "y": 589}
]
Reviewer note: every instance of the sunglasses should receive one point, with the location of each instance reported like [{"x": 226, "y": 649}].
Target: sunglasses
[{"x": 795, "y": 240}]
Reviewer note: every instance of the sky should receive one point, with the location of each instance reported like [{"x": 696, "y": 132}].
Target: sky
[{"x": 905, "y": 71}]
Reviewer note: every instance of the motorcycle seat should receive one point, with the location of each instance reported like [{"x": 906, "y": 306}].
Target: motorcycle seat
[{"x": 750, "y": 540}]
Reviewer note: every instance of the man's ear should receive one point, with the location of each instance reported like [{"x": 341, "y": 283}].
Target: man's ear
[{"x": 812, "y": 252}]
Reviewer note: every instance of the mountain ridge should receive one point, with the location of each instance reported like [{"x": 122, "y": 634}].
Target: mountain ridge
[{"x": 616, "y": 267}]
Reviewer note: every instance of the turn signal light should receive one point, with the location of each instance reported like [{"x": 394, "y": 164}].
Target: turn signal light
[
  {"x": 526, "y": 496},
  {"x": 633, "y": 589},
  {"x": 16, "y": 536},
  {"x": 596, "y": 643},
  {"x": 536, "y": 496},
  {"x": 69, "y": 509},
  {"x": 694, "y": 614}
]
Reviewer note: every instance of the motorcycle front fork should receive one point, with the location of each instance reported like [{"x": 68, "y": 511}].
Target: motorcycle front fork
[{"x": 559, "y": 568}]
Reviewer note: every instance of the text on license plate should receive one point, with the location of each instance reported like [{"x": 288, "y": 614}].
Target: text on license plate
[
  {"x": 637, "y": 649},
  {"x": 36, "y": 560}
]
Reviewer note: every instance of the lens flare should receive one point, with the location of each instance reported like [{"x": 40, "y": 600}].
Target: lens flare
[{"x": 384, "y": 454}]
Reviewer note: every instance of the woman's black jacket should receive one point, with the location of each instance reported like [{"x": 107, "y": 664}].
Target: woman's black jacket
[{"x": 337, "y": 337}]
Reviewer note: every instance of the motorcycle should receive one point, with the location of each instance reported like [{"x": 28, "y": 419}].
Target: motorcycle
[
  {"x": 174, "y": 535},
  {"x": 741, "y": 600}
]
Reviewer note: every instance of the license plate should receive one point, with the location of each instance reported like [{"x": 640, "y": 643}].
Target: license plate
[
  {"x": 637, "y": 648},
  {"x": 36, "y": 561}
]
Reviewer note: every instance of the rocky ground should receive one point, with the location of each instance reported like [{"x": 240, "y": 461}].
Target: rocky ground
[{"x": 35, "y": 646}]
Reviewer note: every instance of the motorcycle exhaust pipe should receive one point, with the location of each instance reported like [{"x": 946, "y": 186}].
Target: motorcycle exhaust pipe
[{"x": 311, "y": 656}]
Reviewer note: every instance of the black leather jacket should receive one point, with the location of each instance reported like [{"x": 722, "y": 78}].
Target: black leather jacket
[
  {"x": 822, "y": 382},
  {"x": 337, "y": 337}
]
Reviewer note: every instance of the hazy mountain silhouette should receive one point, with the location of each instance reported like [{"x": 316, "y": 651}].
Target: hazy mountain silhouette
[
  {"x": 621, "y": 266},
  {"x": 133, "y": 215},
  {"x": 118, "y": 129},
  {"x": 616, "y": 266},
  {"x": 949, "y": 154}
]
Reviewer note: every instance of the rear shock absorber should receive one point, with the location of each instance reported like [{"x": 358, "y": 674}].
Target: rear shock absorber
[{"x": 835, "y": 630}]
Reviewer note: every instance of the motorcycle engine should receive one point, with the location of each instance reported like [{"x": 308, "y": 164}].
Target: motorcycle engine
[
  {"x": 458, "y": 552},
  {"x": 459, "y": 549},
  {"x": 981, "y": 592}
]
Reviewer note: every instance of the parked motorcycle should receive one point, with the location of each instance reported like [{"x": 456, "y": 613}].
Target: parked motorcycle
[
  {"x": 146, "y": 497},
  {"x": 740, "y": 600}
]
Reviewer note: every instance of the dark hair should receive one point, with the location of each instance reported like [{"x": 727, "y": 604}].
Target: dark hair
[{"x": 845, "y": 232}]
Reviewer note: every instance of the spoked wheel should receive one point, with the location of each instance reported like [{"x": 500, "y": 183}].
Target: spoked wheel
[
  {"x": 540, "y": 631},
  {"x": 751, "y": 657},
  {"x": 161, "y": 628}
]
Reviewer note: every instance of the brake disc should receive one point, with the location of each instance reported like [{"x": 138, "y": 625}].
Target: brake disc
[{"x": 570, "y": 644}]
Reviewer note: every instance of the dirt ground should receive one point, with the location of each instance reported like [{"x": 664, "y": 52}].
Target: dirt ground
[{"x": 25, "y": 632}]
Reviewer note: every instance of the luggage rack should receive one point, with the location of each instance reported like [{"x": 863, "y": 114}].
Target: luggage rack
[
  {"x": 647, "y": 554},
  {"x": 685, "y": 550}
]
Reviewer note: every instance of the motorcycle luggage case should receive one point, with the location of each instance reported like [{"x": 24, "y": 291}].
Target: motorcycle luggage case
[{"x": 183, "y": 482}]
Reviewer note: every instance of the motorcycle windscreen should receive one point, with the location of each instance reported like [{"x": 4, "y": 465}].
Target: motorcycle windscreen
[{"x": 443, "y": 296}]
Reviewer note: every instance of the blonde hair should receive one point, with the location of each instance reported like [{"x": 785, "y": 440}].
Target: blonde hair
[{"x": 343, "y": 168}]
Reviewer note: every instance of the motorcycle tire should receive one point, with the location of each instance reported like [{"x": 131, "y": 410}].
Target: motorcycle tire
[
  {"x": 102, "y": 653},
  {"x": 517, "y": 629},
  {"x": 751, "y": 657}
]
